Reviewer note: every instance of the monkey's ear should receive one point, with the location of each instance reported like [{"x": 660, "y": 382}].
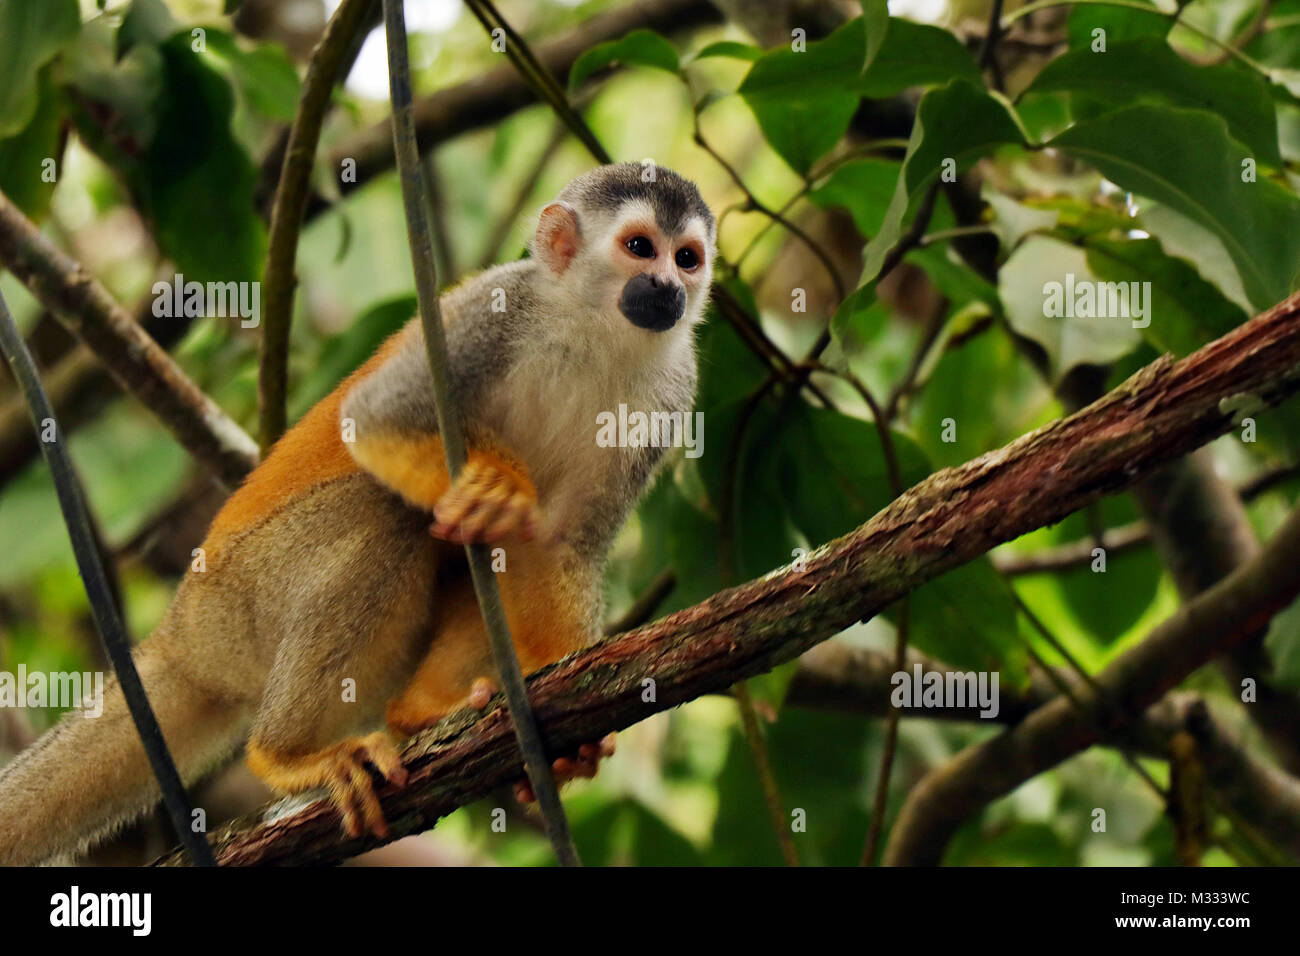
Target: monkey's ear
[{"x": 558, "y": 238}]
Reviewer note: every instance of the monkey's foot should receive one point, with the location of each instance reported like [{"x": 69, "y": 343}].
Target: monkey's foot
[
  {"x": 342, "y": 770},
  {"x": 489, "y": 500},
  {"x": 352, "y": 791},
  {"x": 584, "y": 763}
]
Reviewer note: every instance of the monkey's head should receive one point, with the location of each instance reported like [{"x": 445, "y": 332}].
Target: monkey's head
[{"x": 634, "y": 239}]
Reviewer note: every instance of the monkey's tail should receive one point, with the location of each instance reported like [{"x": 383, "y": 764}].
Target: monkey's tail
[{"x": 87, "y": 777}]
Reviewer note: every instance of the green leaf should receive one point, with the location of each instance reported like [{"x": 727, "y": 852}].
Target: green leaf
[
  {"x": 731, "y": 50},
  {"x": 834, "y": 474},
  {"x": 915, "y": 54},
  {"x": 863, "y": 187},
  {"x": 1042, "y": 277},
  {"x": 1145, "y": 149},
  {"x": 1283, "y": 645},
  {"x": 859, "y": 321},
  {"x": 1186, "y": 310},
  {"x": 1108, "y": 603},
  {"x": 148, "y": 22},
  {"x": 987, "y": 390},
  {"x": 195, "y": 183},
  {"x": 967, "y": 618},
  {"x": 31, "y": 33},
  {"x": 1118, "y": 24},
  {"x": 638, "y": 48},
  {"x": 822, "y": 763},
  {"x": 1148, "y": 69},
  {"x": 265, "y": 74},
  {"x": 803, "y": 101},
  {"x": 23, "y": 155},
  {"x": 958, "y": 122},
  {"x": 875, "y": 21}
]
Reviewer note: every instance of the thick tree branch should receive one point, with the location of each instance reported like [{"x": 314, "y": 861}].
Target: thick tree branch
[
  {"x": 75, "y": 297},
  {"x": 1212, "y": 622},
  {"x": 952, "y": 517},
  {"x": 835, "y": 676}
]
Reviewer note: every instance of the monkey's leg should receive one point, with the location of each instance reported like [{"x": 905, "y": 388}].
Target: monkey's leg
[
  {"x": 321, "y": 686},
  {"x": 349, "y": 637},
  {"x": 550, "y": 612}
]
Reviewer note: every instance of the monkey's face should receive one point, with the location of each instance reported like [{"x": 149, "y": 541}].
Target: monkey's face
[
  {"x": 633, "y": 253},
  {"x": 663, "y": 275}
]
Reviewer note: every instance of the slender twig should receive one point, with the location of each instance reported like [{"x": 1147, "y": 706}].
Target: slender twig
[
  {"x": 881, "y": 801},
  {"x": 757, "y": 205},
  {"x": 766, "y": 777},
  {"x": 287, "y": 212},
  {"x": 987, "y": 57},
  {"x": 453, "y": 440},
  {"x": 521, "y": 55},
  {"x": 1103, "y": 708},
  {"x": 494, "y": 248},
  {"x": 99, "y": 591}
]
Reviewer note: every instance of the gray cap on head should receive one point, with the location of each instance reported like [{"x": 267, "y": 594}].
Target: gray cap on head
[{"x": 675, "y": 199}]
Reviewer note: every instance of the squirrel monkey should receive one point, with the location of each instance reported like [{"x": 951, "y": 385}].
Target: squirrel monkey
[{"x": 331, "y": 603}]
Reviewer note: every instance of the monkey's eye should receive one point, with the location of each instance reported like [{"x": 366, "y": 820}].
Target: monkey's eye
[
  {"x": 686, "y": 258},
  {"x": 641, "y": 247}
]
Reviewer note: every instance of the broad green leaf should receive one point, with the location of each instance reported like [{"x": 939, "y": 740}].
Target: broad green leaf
[
  {"x": 1116, "y": 23},
  {"x": 955, "y": 125},
  {"x": 803, "y": 101},
  {"x": 1283, "y": 645},
  {"x": 627, "y": 833},
  {"x": 729, "y": 369},
  {"x": 1186, "y": 311},
  {"x": 148, "y": 22},
  {"x": 729, "y": 49},
  {"x": 638, "y": 48},
  {"x": 31, "y": 33},
  {"x": 823, "y": 763},
  {"x": 1192, "y": 242},
  {"x": 195, "y": 183},
  {"x": 1108, "y": 603},
  {"x": 23, "y": 155},
  {"x": 863, "y": 187},
  {"x": 976, "y": 398},
  {"x": 264, "y": 73},
  {"x": 858, "y": 321},
  {"x": 967, "y": 618},
  {"x": 834, "y": 473},
  {"x": 875, "y": 21},
  {"x": 915, "y": 54},
  {"x": 1145, "y": 149},
  {"x": 1051, "y": 296},
  {"x": 959, "y": 283},
  {"x": 1147, "y": 69}
]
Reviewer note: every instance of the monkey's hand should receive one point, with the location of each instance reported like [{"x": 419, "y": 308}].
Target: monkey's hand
[
  {"x": 584, "y": 763},
  {"x": 489, "y": 500}
]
